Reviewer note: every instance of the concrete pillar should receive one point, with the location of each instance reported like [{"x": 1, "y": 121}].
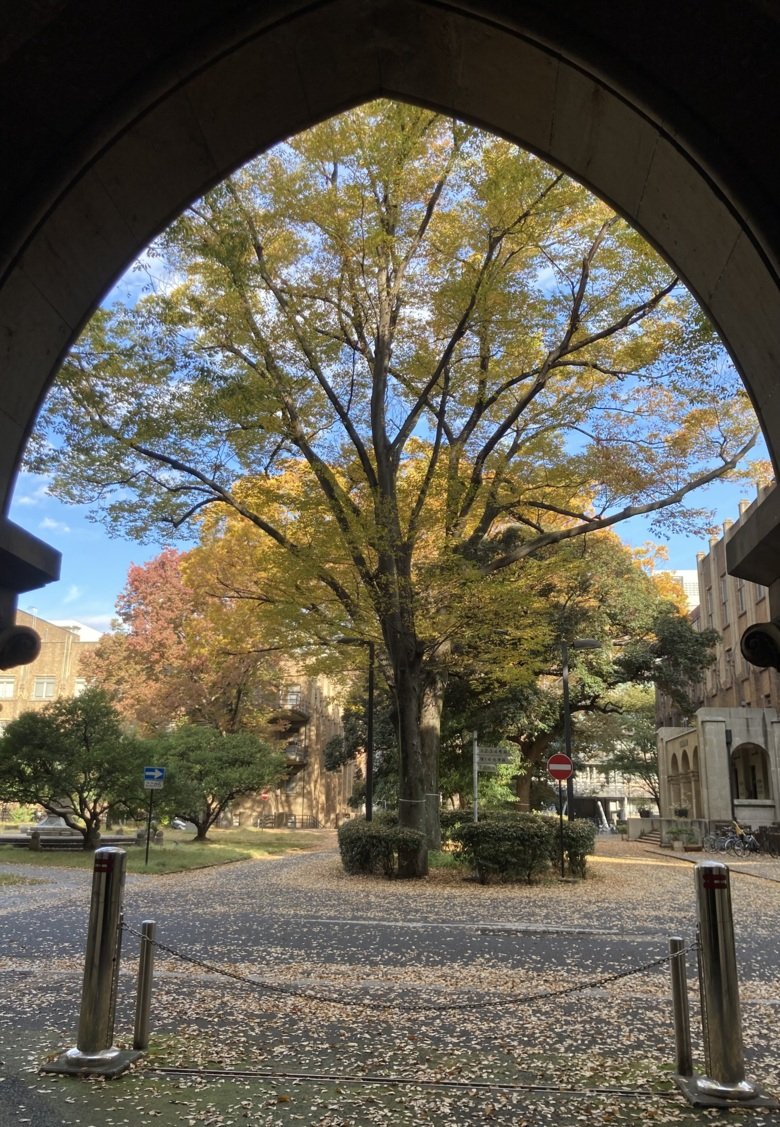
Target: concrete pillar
[{"x": 712, "y": 746}]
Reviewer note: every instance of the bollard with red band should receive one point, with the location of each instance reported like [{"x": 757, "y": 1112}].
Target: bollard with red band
[
  {"x": 95, "y": 1053},
  {"x": 725, "y": 1083}
]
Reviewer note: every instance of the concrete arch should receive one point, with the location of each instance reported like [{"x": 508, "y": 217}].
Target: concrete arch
[
  {"x": 178, "y": 95},
  {"x": 752, "y": 776}
]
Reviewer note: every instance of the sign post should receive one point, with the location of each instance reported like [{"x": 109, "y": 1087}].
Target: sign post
[
  {"x": 154, "y": 777},
  {"x": 560, "y": 767},
  {"x": 487, "y": 760}
]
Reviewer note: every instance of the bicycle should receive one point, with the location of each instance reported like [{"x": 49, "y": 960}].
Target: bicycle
[{"x": 723, "y": 843}]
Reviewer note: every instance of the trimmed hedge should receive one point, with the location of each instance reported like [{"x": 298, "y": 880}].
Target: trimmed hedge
[
  {"x": 510, "y": 846},
  {"x": 579, "y": 840},
  {"x": 372, "y": 847},
  {"x": 515, "y": 846},
  {"x": 507, "y": 845},
  {"x": 452, "y": 820}
]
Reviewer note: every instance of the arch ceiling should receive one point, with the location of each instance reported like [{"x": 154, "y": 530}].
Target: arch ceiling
[{"x": 114, "y": 117}]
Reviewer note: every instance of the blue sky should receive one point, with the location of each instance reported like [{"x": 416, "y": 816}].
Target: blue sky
[{"x": 94, "y": 565}]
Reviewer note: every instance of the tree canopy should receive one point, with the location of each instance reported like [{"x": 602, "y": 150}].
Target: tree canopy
[
  {"x": 74, "y": 759},
  {"x": 206, "y": 770},
  {"x": 173, "y": 659},
  {"x": 406, "y": 356}
]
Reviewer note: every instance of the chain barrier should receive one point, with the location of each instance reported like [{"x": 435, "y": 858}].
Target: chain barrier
[{"x": 494, "y": 1001}]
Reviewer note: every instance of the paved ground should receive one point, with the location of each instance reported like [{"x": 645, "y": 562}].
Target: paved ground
[{"x": 361, "y": 1001}]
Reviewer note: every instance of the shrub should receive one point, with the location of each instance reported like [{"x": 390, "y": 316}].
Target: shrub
[
  {"x": 579, "y": 839},
  {"x": 371, "y": 847},
  {"x": 510, "y": 846},
  {"x": 451, "y": 820}
]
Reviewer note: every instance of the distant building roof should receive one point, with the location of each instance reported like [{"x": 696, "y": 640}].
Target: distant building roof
[{"x": 85, "y": 633}]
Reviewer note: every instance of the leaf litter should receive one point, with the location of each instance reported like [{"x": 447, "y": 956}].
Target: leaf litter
[{"x": 375, "y": 954}]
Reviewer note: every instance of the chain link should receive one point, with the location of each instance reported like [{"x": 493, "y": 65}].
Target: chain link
[{"x": 495, "y": 1001}]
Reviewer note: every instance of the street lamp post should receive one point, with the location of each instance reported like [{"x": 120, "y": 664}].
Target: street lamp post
[{"x": 579, "y": 644}]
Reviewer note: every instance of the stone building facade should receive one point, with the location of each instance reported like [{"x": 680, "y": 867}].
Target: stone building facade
[
  {"x": 724, "y": 759},
  {"x": 305, "y": 716},
  {"x": 54, "y": 674}
]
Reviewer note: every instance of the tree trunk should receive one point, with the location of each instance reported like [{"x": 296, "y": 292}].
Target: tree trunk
[
  {"x": 430, "y": 739},
  {"x": 533, "y": 753},
  {"x": 523, "y": 792},
  {"x": 411, "y": 807}
]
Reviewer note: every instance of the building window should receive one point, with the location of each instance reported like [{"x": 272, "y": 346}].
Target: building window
[
  {"x": 43, "y": 688},
  {"x": 741, "y": 597},
  {"x": 760, "y": 592},
  {"x": 7, "y": 687},
  {"x": 79, "y": 685},
  {"x": 709, "y": 605},
  {"x": 292, "y": 697}
]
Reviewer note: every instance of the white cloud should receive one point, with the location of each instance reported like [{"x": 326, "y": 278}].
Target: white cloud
[
  {"x": 50, "y": 525},
  {"x": 36, "y": 497},
  {"x": 74, "y": 593}
]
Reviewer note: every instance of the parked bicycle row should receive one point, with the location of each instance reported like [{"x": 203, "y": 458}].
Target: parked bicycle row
[{"x": 738, "y": 842}]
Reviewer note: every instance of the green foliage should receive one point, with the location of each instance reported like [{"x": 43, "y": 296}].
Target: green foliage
[
  {"x": 452, "y": 820},
  {"x": 207, "y": 769},
  {"x": 74, "y": 759},
  {"x": 579, "y": 841},
  {"x": 673, "y": 656},
  {"x": 511, "y": 847},
  {"x": 370, "y": 847}
]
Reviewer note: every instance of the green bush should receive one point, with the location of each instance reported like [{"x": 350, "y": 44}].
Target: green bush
[
  {"x": 509, "y": 846},
  {"x": 579, "y": 840},
  {"x": 371, "y": 847},
  {"x": 451, "y": 820}
]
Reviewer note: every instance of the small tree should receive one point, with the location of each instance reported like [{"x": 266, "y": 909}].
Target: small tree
[
  {"x": 206, "y": 770},
  {"x": 73, "y": 759}
]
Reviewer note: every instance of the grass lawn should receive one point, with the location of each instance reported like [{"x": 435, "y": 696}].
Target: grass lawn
[{"x": 179, "y": 852}]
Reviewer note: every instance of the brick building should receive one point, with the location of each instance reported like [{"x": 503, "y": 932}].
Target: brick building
[{"x": 54, "y": 674}]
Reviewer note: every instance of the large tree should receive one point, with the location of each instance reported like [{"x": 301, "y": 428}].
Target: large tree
[
  {"x": 74, "y": 759},
  {"x": 471, "y": 357}
]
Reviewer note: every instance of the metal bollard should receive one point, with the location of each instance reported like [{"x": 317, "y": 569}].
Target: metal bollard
[
  {"x": 95, "y": 1053},
  {"x": 723, "y": 1052},
  {"x": 682, "y": 1018},
  {"x": 725, "y": 1082},
  {"x": 143, "y": 999}
]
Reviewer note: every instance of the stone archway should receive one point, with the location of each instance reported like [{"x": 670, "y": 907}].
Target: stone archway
[
  {"x": 173, "y": 97},
  {"x": 751, "y": 774},
  {"x": 675, "y": 787}
]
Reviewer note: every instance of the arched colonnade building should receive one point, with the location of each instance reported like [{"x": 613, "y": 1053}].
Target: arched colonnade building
[
  {"x": 727, "y": 760},
  {"x": 114, "y": 117}
]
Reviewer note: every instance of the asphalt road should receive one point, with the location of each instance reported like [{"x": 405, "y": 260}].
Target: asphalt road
[{"x": 296, "y": 923}]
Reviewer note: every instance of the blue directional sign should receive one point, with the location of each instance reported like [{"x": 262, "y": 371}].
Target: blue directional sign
[{"x": 154, "y": 777}]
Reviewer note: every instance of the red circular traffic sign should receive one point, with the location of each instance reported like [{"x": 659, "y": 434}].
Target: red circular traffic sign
[
  {"x": 560, "y": 766},
  {"x": 264, "y": 795}
]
